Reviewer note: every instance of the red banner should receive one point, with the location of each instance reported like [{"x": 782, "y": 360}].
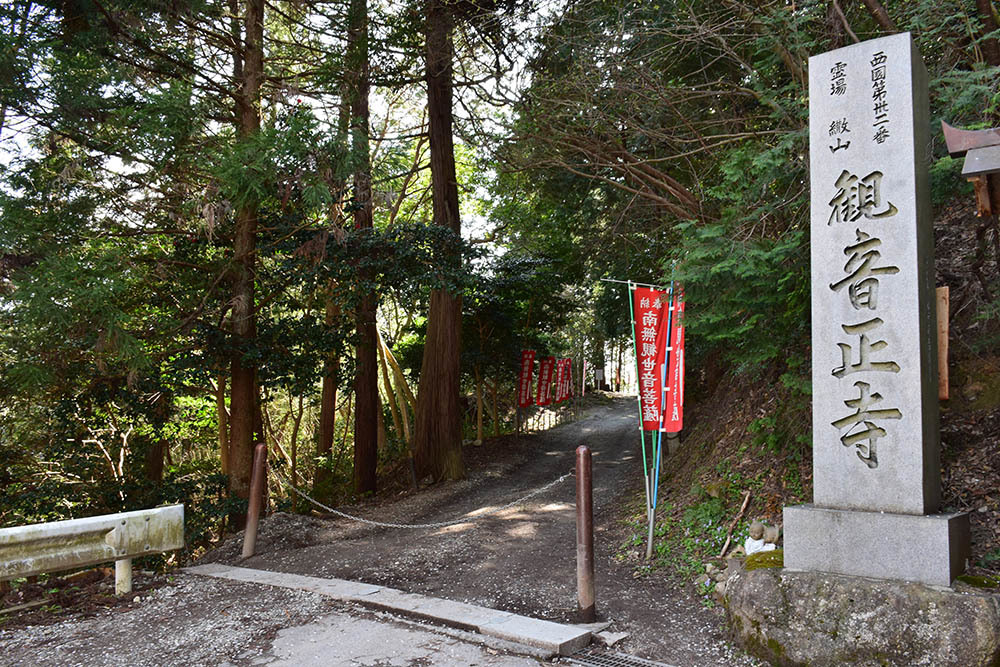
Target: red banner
[
  {"x": 545, "y": 367},
  {"x": 673, "y": 418},
  {"x": 650, "y": 330},
  {"x": 524, "y": 381},
  {"x": 564, "y": 379},
  {"x": 560, "y": 380}
]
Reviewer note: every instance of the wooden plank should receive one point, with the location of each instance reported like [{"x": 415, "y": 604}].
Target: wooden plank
[
  {"x": 943, "y": 297},
  {"x": 26, "y": 605}
]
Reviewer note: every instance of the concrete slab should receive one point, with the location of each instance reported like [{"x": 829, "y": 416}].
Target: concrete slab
[
  {"x": 340, "y": 589},
  {"x": 454, "y": 614},
  {"x": 556, "y": 638},
  {"x": 930, "y": 549},
  {"x": 560, "y": 639}
]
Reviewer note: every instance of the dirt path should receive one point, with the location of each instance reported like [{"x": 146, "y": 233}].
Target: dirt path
[{"x": 520, "y": 560}]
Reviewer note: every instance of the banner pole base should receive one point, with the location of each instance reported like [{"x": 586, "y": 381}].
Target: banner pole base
[{"x": 649, "y": 541}]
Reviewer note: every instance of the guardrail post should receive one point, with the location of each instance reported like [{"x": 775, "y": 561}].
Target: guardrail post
[
  {"x": 585, "y": 536},
  {"x": 123, "y": 576},
  {"x": 256, "y": 496}
]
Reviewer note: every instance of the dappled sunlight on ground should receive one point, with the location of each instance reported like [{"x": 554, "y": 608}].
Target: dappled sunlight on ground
[{"x": 526, "y": 529}]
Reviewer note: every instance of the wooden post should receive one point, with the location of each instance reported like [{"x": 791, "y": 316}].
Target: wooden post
[
  {"x": 943, "y": 298},
  {"x": 256, "y": 496},
  {"x": 585, "y": 536}
]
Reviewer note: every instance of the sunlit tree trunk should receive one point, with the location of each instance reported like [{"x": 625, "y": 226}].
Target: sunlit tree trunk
[{"x": 438, "y": 429}]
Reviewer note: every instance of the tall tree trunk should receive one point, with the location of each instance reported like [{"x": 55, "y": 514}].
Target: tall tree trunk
[
  {"x": 438, "y": 429},
  {"x": 390, "y": 395},
  {"x": 323, "y": 480},
  {"x": 619, "y": 383},
  {"x": 479, "y": 405},
  {"x": 222, "y": 415},
  {"x": 495, "y": 412},
  {"x": 991, "y": 47},
  {"x": 366, "y": 410},
  {"x": 243, "y": 402},
  {"x": 293, "y": 446},
  {"x": 154, "y": 461}
]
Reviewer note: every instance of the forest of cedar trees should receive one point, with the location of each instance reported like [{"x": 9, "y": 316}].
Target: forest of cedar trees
[{"x": 333, "y": 226}]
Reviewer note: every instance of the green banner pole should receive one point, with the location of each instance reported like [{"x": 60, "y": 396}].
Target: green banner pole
[{"x": 638, "y": 398}]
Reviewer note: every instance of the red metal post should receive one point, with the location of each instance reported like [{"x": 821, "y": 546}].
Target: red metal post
[
  {"x": 585, "y": 536},
  {"x": 256, "y": 497}
]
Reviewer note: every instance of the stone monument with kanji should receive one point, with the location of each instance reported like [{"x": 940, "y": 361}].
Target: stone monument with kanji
[{"x": 876, "y": 446}]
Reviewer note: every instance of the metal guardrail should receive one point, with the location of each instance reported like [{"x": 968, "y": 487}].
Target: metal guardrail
[{"x": 65, "y": 545}]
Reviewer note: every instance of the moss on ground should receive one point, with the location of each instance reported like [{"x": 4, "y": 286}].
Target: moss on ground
[
  {"x": 979, "y": 581},
  {"x": 763, "y": 559}
]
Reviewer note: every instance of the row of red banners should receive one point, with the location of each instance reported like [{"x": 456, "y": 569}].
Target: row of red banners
[
  {"x": 659, "y": 348},
  {"x": 547, "y": 367}
]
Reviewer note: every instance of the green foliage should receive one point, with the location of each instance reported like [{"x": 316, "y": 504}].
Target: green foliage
[
  {"x": 786, "y": 428},
  {"x": 990, "y": 559},
  {"x": 747, "y": 299},
  {"x": 682, "y": 546}
]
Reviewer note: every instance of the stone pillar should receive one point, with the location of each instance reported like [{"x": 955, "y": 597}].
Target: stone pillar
[{"x": 876, "y": 445}]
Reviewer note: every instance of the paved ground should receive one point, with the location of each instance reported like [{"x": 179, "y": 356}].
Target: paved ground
[
  {"x": 200, "y": 621},
  {"x": 341, "y": 639}
]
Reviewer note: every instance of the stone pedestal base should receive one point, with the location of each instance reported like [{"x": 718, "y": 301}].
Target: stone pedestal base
[
  {"x": 829, "y": 620},
  {"x": 931, "y": 549}
]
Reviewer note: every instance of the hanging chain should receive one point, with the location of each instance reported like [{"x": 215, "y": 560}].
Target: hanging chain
[{"x": 439, "y": 524}]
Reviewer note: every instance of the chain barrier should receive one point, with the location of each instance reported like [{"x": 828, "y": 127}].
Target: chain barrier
[{"x": 439, "y": 524}]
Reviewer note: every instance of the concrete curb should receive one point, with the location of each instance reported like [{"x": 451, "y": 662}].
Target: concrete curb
[{"x": 556, "y": 638}]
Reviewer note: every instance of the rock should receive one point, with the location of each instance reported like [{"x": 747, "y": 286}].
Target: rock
[
  {"x": 799, "y": 618},
  {"x": 703, "y": 580},
  {"x": 972, "y": 390},
  {"x": 719, "y": 593},
  {"x": 609, "y": 639},
  {"x": 710, "y": 568},
  {"x": 716, "y": 488}
]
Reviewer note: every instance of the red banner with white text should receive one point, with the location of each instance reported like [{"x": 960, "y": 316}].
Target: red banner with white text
[
  {"x": 524, "y": 380},
  {"x": 650, "y": 330},
  {"x": 545, "y": 368},
  {"x": 564, "y": 380},
  {"x": 673, "y": 418},
  {"x": 560, "y": 381}
]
